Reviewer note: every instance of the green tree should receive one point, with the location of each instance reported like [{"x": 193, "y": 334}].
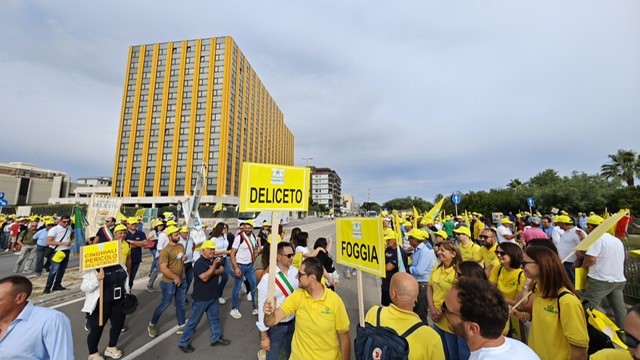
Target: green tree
[
  {"x": 368, "y": 206},
  {"x": 624, "y": 166}
]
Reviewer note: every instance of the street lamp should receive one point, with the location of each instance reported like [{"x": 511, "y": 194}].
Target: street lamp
[{"x": 307, "y": 160}]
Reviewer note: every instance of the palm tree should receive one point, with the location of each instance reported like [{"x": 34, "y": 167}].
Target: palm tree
[{"x": 624, "y": 166}]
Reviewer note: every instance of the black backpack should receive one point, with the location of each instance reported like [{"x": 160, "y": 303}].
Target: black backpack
[
  {"x": 381, "y": 342},
  {"x": 597, "y": 339}
]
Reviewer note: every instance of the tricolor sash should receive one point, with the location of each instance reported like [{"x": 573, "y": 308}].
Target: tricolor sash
[{"x": 283, "y": 284}]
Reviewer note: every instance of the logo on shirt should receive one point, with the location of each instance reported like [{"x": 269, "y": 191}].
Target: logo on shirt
[
  {"x": 326, "y": 311},
  {"x": 551, "y": 309},
  {"x": 277, "y": 176}
]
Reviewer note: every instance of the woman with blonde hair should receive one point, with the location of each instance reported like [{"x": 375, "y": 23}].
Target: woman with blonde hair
[
  {"x": 558, "y": 324},
  {"x": 440, "y": 282}
]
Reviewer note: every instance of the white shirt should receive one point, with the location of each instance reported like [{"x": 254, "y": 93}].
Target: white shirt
[
  {"x": 60, "y": 234},
  {"x": 609, "y": 253},
  {"x": 502, "y": 231},
  {"x": 556, "y": 234},
  {"x": 510, "y": 350},
  {"x": 163, "y": 240},
  {"x": 568, "y": 241},
  {"x": 244, "y": 254},
  {"x": 263, "y": 291},
  {"x": 221, "y": 243},
  {"x": 302, "y": 250}
]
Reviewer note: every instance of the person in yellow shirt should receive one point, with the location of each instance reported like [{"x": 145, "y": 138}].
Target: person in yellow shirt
[
  {"x": 558, "y": 323},
  {"x": 424, "y": 342},
  {"x": 321, "y": 317},
  {"x": 478, "y": 226},
  {"x": 488, "y": 251},
  {"x": 440, "y": 236},
  {"x": 510, "y": 280},
  {"x": 468, "y": 249},
  {"x": 442, "y": 279}
]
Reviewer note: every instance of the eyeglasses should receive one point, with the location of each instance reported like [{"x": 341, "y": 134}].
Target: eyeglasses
[
  {"x": 290, "y": 255},
  {"x": 524, "y": 263},
  {"x": 447, "y": 311},
  {"x": 301, "y": 274},
  {"x": 501, "y": 253},
  {"x": 65, "y": 221},
  {"x": 631, "y": 341}
]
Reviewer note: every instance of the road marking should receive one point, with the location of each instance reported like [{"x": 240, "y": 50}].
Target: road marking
[{"x": 150, "y": 344}]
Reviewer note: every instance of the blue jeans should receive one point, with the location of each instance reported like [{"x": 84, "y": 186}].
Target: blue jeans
[
  {"x": 224, "y": 278},
  {"x": 188, "y": 272},
  {"x": 451, "y": 343},
  {"x": 248, "y": 273},
  {"x": 57, "y": 271},
  {"x": 40, "y": 258},
  {"x": 154, "y": 271},
  {"x": 169, "y": 291},
  {"x": 281, "y": 336},
  {"x": 198, "y": 309},
  {"x": 570, "y": 272}
]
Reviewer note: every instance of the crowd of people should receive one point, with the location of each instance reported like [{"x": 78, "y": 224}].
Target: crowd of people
[{"x": 466, "y": 288}]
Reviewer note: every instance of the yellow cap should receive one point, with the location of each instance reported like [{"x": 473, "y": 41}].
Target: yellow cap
[
  {"x": 562, "y": 219},
  {"x": 595, "y": 220},
  {"x": 50, "y": 222},
  {"x": 505, "y": 220},
  {"x": 58, "y": 256},
  {"x": 463, "y": 230},
  {"x": 208, "y": 244},
  {"x": 171, "y": 223},
  {"x": 389, "y": 236},
  {"x": 443, "y": 234},
  {"x": 120, "y": 227},
  {"x": 266, "y": 223},
  {"x": 132, "y": 220},
  {"x": 407, "y": 223},
  {"x": 416, "y": 234},
  {"x": 447, "y": 218},
  {"x": 184, "y": 229},
  {"x": 170, "y": 230}
]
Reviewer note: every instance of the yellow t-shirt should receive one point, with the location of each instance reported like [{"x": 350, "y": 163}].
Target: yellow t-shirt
[
  {"x": 125, "y": 250},
  {"x": 489, "y": 256},
  {"x": 318, "y": 323},
  {"x": 424, "y": 343},
  {"x": 471, "y": 251},
  {"x": 477, "y": 227},
  {"x": 441, "y": 281},
  {"x": 510, "y": 282},
  {"x": 551, "y": 335},
  {"x": 611, "y": 354}
]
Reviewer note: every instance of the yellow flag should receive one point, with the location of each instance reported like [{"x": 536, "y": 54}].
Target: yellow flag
[
  {"x": 217, "y": 207},
  {"x": 416, "y": 215},
  {"x": 466, "y": 218},
  {"x": 586, "y": 243},
  {"x": 121, "y": 216},
  {"x": 431, "y": 214}
]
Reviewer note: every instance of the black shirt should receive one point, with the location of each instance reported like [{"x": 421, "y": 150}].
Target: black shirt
[
  {"x": 391, "y": 256},
  {"x": 326, "y": 261},
  {"x": 136, "y": 252},
  {"x": 204, "y": 291}
]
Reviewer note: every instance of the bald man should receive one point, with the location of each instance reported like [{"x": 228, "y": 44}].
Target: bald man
[{"x": 424, "y": 343}]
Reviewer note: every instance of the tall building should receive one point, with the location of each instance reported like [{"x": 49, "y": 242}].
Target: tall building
[
  {"x": 189, "y": 102},
  {"x": 326, "y": 188}
]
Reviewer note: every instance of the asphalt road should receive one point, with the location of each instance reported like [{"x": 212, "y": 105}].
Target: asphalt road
[{"x": 243, "y": 333}]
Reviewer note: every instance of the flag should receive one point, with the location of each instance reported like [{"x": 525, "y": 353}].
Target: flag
[
  {"x": 466, "y": 218},
  {"x": 434, "y": 210},
  {"x": 331, "y": 211},
  {"x": 218, "y": 206},
  {"x": 597, "y": 233},
  {"x": 416, "y": 215},
  {"x": 79, "y": 222}
]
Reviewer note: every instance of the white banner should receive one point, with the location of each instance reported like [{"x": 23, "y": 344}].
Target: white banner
[{"x": 101, "y": 207}]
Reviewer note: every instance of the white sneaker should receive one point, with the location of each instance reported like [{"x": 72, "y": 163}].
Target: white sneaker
[
  {"x": 222, "y": 301},
  {"x": 235, "y": 314},
  {"x": 249, "y": 298},
  {"x": 243, "y": 288},
  {"x": 254, "y": 312}
]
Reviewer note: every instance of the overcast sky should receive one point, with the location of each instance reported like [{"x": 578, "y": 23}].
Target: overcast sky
[{"x": 402, "y": 98}]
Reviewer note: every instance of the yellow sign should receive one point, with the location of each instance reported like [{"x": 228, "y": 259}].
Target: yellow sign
[
  {"x": 274, "y": 187},
  {"x": 140, "y": 212},
  {"x": 360, "y": 245},
  {"x": 100, "y": 255}
]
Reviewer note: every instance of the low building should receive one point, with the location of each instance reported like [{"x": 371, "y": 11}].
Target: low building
[{"x": 24, "y": 183}]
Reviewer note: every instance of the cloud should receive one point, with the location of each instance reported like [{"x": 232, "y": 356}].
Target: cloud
[{"x": 416, "y": 98}]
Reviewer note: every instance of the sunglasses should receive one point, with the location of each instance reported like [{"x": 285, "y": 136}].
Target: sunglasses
[
  {"x": 288, "y": 255},
  {"x": 301, "y": 274},
  {"x": 631, "y": 341},
  {"x": 501, "y": 253},
  {"x": 524, "y": 263},
  {"x": 485, "y": 237},
  {"x": 447, "y": 311}
]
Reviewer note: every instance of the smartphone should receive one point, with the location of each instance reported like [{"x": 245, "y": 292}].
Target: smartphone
[{"x": 117, "y": 293}]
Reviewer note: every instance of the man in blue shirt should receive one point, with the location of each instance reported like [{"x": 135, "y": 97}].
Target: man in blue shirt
[
  {"x": 396, "y": 259},
  {"x": 28, "y": 331},
  {"x": 206, "y": 271},
  {"x": 136, "y": 239},
  {"x": 41, "y": 245},
  {"x": 424, "y": 259}
]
